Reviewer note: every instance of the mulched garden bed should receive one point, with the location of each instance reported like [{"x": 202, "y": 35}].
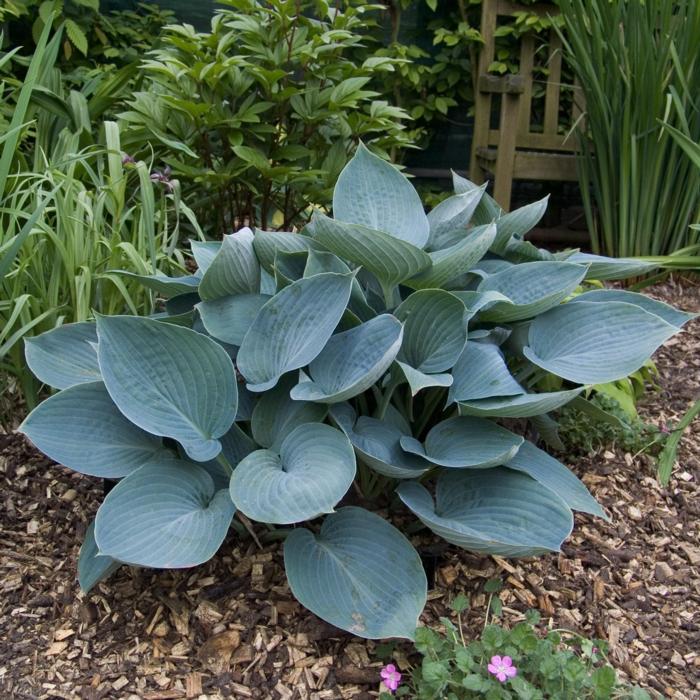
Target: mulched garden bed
[{"x": 232, "y": 629}]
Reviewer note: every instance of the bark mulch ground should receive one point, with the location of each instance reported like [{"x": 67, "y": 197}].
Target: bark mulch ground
[{"x": 232, "y": 629}]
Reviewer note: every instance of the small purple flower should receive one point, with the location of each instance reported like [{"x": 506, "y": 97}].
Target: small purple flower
[
  {"x": 502, "y": 668},
  {"x": 391, "y": 677},
  {"x": 164, "y": 178},
  {"x": 128, "y": 160}
]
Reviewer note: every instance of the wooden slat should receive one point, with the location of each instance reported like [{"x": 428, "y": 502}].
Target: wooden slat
[
  {"x": 553, "y": 90},
  {"x": 502, "y": 84},
  {"x": 558, "y": 167},
  {"x": 482, "y": 101},
  {"x": 503, "y": 182},
  {"x": 538, "y": 141},
  {"x": 507, "y": 8},
  {"x": 527, "y": 59}
]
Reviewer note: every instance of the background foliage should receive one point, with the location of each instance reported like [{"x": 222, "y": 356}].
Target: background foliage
[{"x": 259, "y": 114}]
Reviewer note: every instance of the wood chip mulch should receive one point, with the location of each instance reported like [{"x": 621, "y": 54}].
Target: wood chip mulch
[{"x": 231, "y": 629}]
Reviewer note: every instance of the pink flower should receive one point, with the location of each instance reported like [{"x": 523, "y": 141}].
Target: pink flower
[
  {"x": 502, "y": 668},
  {"x": 391, "y": 677}
]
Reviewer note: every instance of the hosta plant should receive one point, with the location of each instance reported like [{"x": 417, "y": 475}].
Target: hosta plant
[{"x": 382, "y": 347}]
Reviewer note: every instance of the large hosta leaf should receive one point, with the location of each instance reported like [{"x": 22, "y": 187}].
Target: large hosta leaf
[
  {"x": 465, "y": 443},
  {"x": 162, "y": 284},
  {"x": 352, "y": 361},
  {"x": 493, "y": 511},
  {"x": 377, "y": 444},
  {"x": 268, "y": 243},
  {"x": 520, "y": 406},
  {"x": 371, "y": 192},
  {"x": 593, "y": 343},
  {"x": 229, "y": 318},
  {"x": 459, "y": 258},
  {"x": 167, "y": 515},
  {"x": 292, "y": 328},
  {"x": 658, "y": 308},
  {"x": 235, "y": 446},
  {"x": 487, "y": 210},
  {"x": 234, "y": 270},
  {"x": 555, "y": 476},
  {"x": 64, "y": 356},
  {"x": 435, "y": 331},
  {"x": 169, "y": 380},
  {"x": 390, "y": 259},
  {"x": 92, "y": 566},
  {"x": 481, "y": 372},
  {"x": 359, "y": 573},
  {"x": 517, "y": 223},
  {"x": 532, "y": 288},
  {"x": 81, "y": 428},
  {"x": 312, "y": 472},
  {"x": 321, "y": 261},
  {"x": 451, "y": 217},
  {"x": 204, "y": 253},
  {"x": 475, "y": 301},
  {"x": 276, "y": 414},
  {"x": 603, "y": 268}
]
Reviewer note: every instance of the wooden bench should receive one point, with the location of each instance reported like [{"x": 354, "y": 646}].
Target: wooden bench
[{"x": 518, "y": 149}]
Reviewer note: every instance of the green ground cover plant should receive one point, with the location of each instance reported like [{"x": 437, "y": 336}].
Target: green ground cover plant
[
  {"x": 383, "y": 348},
  {"x": 509, "y": 663}
]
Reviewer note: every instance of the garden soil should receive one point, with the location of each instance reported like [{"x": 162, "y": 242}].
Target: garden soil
[{"x": 231, "y": 629}]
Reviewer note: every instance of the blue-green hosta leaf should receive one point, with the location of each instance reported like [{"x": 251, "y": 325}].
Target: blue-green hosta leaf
[
  {"x": 450, "y": 218},
  {"x": 488, "y": 209},
  {"x": 603, "y": 268},
  {"x": 352, "y": 361},
  {"x": 465, "y": 443},
  {"x": 450, "y": 262},
  {"x": 181, "y": 304},
  {"x": 64, "y": 356},
  {"x": 81, "y": 428},
  {"x": 234, "y": 270},
  {"x": 532, "y": 288},
  {"x": 476, "y": 301},
  {"x": 418, "y": 380},
  {"x": 592, "y": 343},
  {"x": 390, "y": 259},
  {"x": 235, "y": 446},
  {"x": 204, "y": 253},
  {"x": 92, "y": 566},
  {"x": 555, "y": 476},
  {"x": 169, "y": 380},
  {"x": 371, "y": 192},
  {"x": 276, "y": 414},
  {"x": 321, "y": 261},
  {"x": 377, "y": 444},
  {"x": 359, "y": 573},
  {"x": 658, "y": 308},
  {"x": 517, "y": 223},
  {"x": 312, "y": 472},
  {"x": 290, "y": 267},
  {"x": 166, "y": 515},
  {"x": 268, "y": 243},
  {"x": 229, "y": 318},
  {"x": 162, "y": 284},
  {"x": 521, "y": 406},
  {"x": 492, "y": 511},
  {"x": 480, "y": 373},
  {"x": 292, "y": 328},
  {"x": 435, "y": 330}
]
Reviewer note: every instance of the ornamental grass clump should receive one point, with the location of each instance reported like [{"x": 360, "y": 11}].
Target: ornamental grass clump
[{"x": 380, "y": 347}]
